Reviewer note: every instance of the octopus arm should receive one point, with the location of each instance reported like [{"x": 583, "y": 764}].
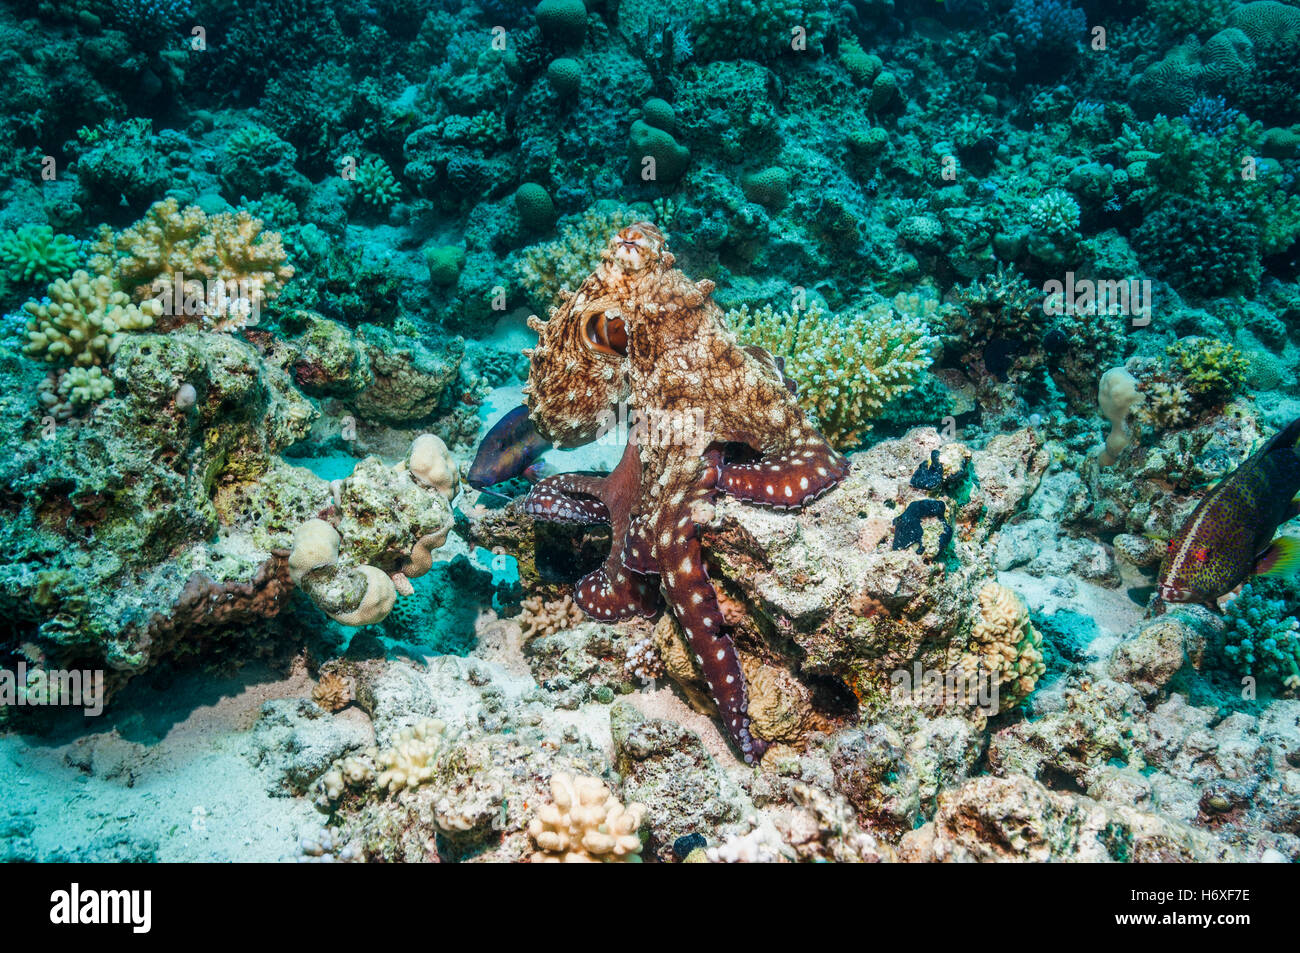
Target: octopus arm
[
  {"x": 788, "y": 478},
  {"x": 694, "y": 602},
  {"x": 611, "y": 592}
]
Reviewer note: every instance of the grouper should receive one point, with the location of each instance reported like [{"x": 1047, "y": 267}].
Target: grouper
[{"x": 1229, "y": 536}]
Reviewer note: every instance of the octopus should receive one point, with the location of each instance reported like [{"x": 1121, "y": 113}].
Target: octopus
[{"x": 710, "y": 417}]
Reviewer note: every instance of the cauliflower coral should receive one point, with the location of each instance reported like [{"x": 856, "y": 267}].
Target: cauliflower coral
[
  {"x": 238, "y": 263},
  {"x": 585, "y": 824},
  {"x": 79, "y": 321}
]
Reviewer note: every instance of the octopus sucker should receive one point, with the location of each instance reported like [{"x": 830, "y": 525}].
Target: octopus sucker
[{"x": 639, "y": 331}]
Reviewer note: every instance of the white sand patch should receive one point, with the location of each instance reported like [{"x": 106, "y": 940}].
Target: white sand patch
[{"x": 192, "y": 792}]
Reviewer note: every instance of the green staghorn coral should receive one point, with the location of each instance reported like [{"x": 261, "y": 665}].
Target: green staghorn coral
[
  {"x": 848, "y": 365},
  {"x": 81, "y": 318}
]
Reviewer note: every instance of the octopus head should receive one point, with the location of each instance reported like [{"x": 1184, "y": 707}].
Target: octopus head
[{"x": 637, "y": 247}]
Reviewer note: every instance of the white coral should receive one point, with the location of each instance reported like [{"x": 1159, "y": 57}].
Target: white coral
[{"x": 585, "y": 824}]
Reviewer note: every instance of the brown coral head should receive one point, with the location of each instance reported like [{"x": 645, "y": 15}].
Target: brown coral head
[{"x": 638, "y": 246}]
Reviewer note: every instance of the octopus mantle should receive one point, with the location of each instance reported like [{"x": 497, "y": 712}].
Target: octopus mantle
[{"x": 711, "y": 417}]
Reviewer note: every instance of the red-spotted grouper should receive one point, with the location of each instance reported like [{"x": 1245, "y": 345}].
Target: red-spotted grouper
[{"x": 1229, "y": 536}]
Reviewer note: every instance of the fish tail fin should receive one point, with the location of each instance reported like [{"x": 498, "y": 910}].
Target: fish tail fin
[
  {"x": 1286, "y": 438},
  {"x": 1281, "y": 559}
]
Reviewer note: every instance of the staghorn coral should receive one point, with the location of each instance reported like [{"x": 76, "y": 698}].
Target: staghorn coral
[
  {"x": 81, "y": 319},
  {"x": 230, "y": 252},
  {"x": 585, "y": 823},
  {"x": 847, "y": 365},
  {"x": 1005, "y": 646},
  {"x": 542, "y": 618}
]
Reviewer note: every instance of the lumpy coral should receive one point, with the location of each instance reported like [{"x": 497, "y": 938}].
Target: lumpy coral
[
  {"x": 1005, "y": 647},
  {"x": 585, "y": 823},
  {"x": 1261, "y": 638}
]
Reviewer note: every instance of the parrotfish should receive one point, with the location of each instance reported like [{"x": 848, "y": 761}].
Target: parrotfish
[
  {"x": 507, "y": 451},
  {"x": 1229, "y": 536}
]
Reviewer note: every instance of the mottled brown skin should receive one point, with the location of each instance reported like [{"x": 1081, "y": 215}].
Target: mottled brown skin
[
  {"x": 639, "y": 330},
  {"x": 1222, "y": 542}
]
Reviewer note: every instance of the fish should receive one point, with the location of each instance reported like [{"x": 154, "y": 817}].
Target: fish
[
  {"x": 509, "y": 450},
  {"x": 1230, "y": 535}
]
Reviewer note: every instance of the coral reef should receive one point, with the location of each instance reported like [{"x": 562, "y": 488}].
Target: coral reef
[{"x": 958, "y": 472}]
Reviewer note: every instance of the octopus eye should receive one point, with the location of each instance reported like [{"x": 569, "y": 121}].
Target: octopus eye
[{"x": 605, "y": 332}]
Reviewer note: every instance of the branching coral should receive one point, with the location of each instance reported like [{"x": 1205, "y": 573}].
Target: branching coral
[
  {"x": 81, "y": 319},
  {"x": 1212, "y": 369},
  {"x": 33, "y": 254},
  {"x": 333, "y": 692},
  {"x": 1261, "y": 638},
  {"x": 643, "y": 663},
  {"x": 584, "y": 823},
  {"x": 374, "y": 183},
  {"x": 229, "y": 248},
  {"x": 848, "y": 365},
  {"x": 63, "y": 393},
  {"x": 1004, "y": 646},
  {"x": 1167, "y": 405},
  {"x": 540, "y": 618},
  {"x": 411, "y": 758}
]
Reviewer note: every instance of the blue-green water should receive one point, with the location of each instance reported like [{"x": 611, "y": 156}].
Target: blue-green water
[{"x": 1031, "y": 264}]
